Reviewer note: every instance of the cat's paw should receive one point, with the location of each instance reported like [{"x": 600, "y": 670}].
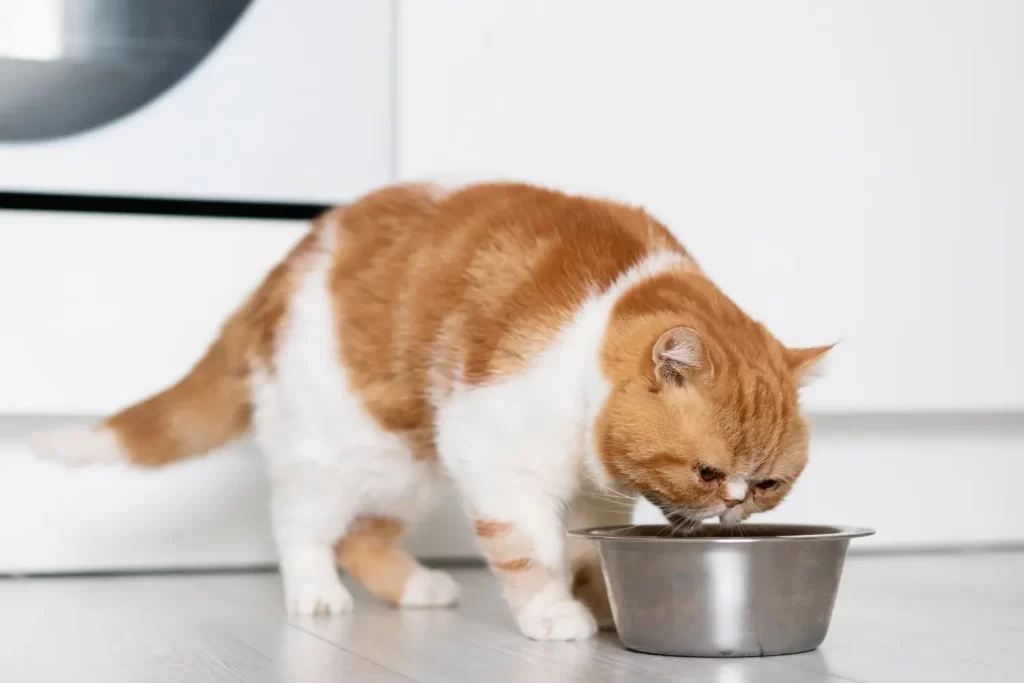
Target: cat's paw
[
  {"x": 313, "y": 595},
  {"x": 559, "y": 620},
  {"x": 429, "y": 588}
]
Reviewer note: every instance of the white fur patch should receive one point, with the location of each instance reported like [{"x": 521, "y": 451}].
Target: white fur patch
[
  {"x": 736, "y": 488},
  {"x": 732, "y": 516},
  {"x": 430, "y": 588},
  {"x": 318, "y": 595},
  {"x": 311, "y": 583},
  {"x": 544, "y": 618},
  {"x": 514, "y": 446},
  {"x": 78, "y": 445}
]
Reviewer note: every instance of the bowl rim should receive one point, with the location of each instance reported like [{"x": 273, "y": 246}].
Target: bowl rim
[{"x": 608, "y": 533}]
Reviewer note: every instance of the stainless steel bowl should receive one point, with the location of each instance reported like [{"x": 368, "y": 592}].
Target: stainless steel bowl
[{"x": 745, "y": 591}]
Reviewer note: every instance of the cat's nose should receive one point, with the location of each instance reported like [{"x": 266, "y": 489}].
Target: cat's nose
[{"x": 735, "y": 491}]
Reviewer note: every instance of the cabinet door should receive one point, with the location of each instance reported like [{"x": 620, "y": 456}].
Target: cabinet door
[
  {"x": 293, "y": 103},
  {"x": 846, "y": 171},
  {"x": 98, "y": 311},
  {"x": 101, "y": 309}
]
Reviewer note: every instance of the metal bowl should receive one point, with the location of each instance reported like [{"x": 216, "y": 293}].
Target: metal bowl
[{"x": 741, "y": 591}]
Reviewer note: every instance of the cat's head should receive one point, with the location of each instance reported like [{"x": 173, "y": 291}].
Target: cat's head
[{"x": 709, "y": 427}]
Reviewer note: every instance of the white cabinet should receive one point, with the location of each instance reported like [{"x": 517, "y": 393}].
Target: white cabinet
[
  {"x": 96, "y": 311},
  {"x": 100, "y": 310},
  {"x": 846, "y": 171},
  {"x": 293, "y": 104}
]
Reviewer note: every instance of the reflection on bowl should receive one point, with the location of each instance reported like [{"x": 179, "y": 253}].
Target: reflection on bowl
[{"x": 749, "y": 590}]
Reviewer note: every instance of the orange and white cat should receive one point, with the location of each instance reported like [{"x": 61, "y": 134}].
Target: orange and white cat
[{"x": 543, "y": 350}]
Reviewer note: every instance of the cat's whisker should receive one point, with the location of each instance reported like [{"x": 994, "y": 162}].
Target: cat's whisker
[
  {"x": 618, "y": 494},
  {"x": 680, "y": 525},
  {"x": 606, "y": 491},
  {"x": 629, "y": 503},
  {"x": 612, "y": 493},
  {"x": 611, "y": 509}
]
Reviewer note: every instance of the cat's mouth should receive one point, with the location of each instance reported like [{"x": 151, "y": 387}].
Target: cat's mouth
[
  {"x": 731, "y": 516},
  {"x": 676, "y": 514}
]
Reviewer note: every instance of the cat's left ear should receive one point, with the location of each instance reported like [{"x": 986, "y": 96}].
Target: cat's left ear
[
  {"x": 678, "y": 353},
  {"x": 806, "y": 364}
]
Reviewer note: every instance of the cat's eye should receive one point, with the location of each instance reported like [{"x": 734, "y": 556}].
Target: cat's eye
[
  {"x": 708, "y": 474},
  {"x": 767, "y": 484}
]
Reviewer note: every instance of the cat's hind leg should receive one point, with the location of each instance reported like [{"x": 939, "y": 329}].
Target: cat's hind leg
[
  {"x": 309, "y": 512},
  {"x": 370, "y": 552},
  {"x": 398, "y": 491}
]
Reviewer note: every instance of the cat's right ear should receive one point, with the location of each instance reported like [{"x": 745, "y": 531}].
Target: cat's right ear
[
  {"x": 677, "y": 354},
  {"x": 806, "y": 364}
]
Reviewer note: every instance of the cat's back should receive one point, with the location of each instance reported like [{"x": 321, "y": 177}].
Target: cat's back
[
  {"x": 420, "y": 247},
  {"x": 432, "y": 287}
]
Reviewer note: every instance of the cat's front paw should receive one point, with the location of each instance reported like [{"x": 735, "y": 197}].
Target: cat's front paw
[
  {"x": 429, "y": 588},
  {"x": 317, "y": 595},
  {"x": 559, "y": 620}
]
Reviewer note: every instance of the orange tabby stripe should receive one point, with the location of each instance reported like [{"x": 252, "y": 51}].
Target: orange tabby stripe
[
  {"x": 509, "y": 552},
  {"x": 370, "y": 553}
]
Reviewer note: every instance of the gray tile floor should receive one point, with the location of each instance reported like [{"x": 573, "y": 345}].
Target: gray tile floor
[{"x": 930, "y": 618}]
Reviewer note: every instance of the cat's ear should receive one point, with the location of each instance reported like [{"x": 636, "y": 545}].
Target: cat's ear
[
  {"x": 806, "y": 364},
  {"x": 677, "y": 354}
]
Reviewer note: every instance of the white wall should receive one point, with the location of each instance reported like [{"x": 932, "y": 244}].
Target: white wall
[
  {"x": 101, "y": 309},
  {"x": 844, "y": 170}
]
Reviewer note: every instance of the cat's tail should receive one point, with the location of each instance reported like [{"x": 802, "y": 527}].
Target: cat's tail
[{"x": 209, "y": 407}]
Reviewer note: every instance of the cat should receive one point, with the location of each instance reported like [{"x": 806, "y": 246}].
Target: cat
[{"x": 554, "y": 355}]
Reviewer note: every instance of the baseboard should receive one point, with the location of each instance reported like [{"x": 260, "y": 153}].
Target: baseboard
[{"x": 924, "y": 482}]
